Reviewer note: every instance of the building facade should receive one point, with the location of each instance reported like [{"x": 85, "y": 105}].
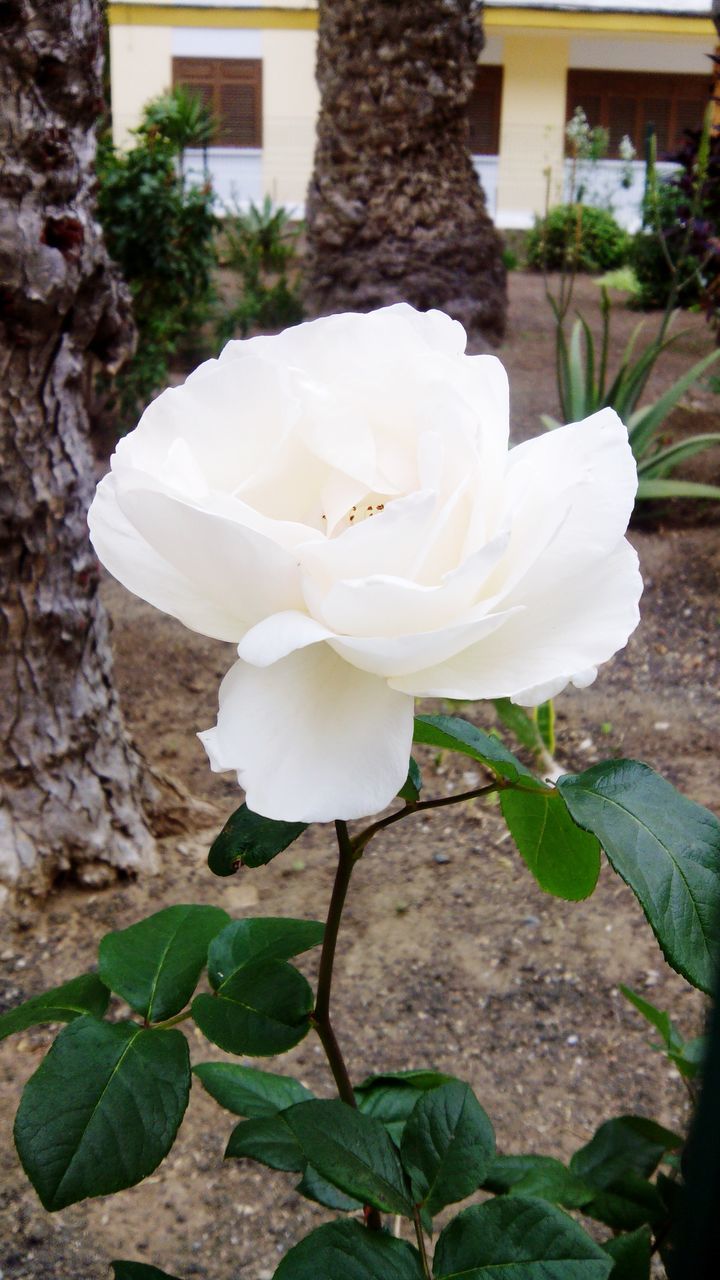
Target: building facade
[{"x": 629, "y": 65}]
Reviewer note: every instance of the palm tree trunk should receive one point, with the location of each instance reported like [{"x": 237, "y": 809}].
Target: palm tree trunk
[
  {"x": 395, "y": 210},
  {"x": 70, "y": 782}
]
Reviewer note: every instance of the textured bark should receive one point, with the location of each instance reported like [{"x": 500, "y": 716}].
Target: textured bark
[
  {"x": 71, "y": 785},
  {"x": 395, "y": 210}
]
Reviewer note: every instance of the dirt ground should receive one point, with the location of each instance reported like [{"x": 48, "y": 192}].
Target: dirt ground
[{"x": 450, "y": 955}]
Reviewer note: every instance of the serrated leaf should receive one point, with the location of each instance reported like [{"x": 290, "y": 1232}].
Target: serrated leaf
[
  {"x": 455, "y": 734},
  {"x": 259, "y": 1010},
  {"x": 347, "y": 1251},
  {"x": 564, "y": 859},
  {"x": 83, "y": 995},
  {"x": 517, "y": 1238},
  {"x": 255, "y": 941},
  {"x": 248, "y": 1092},
  {"x": 313, "y": 1187},
  {"x": 352, "y": 1151},
  {"x": 269, "y": 1140},
  {"x": 447, "y": 1146},
  {"x": 631, "y": 1255},
  {"x": 625, "y": 1144},
  {"x": 102, "y": 1109},
  {"x": 249, "y": 840},
  {"x": 666, "y": 848},
  {"x": 540, "y": 1176},
  {"x": 155, "y": 964},
  {"x": 411, "y": 788},
  {"x": 391, "y": 1096},
  {"x": 138, "y": 1271}
]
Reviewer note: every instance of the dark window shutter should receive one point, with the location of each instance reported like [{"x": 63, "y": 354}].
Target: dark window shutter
[
  {"x": 626, "y": 102},
  {"x": 484, "y": 111},
  {"x": 232, "y": 88}
]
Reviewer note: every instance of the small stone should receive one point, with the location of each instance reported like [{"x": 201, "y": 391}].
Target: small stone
[
  {"x": 572, "y": 1039},
  {"x": 440, "y": 858}
]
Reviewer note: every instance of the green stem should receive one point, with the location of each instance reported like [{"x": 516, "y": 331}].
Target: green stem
[
  {"x": 420, "y": 1236},
  {"x": 321, "y": 1013},
  {"x": 170, "y": 1022}
]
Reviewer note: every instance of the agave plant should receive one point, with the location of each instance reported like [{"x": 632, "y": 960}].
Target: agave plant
[{"x": 584, "y": 386}]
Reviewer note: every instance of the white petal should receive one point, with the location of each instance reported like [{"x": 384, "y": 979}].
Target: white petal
[
  {"x": 312, "y": 738},
  {"x": 382, "y": 605},
  {"x": 275, "y": 637},
  {"x": 232, "y": 570},
  {"x": 130, "y": 559},
  {"x": 569, "y": 496},
  {"x": 573, "y": 627},
  {"x": 395, "y": 656}
]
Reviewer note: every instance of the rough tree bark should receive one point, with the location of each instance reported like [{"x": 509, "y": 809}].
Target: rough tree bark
[
  {"x": 395, "y": 210},
  {"x": 71, "y": 789}
]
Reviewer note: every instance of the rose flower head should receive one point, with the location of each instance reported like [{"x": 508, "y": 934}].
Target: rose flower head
[{"x": 340, "y": 502}]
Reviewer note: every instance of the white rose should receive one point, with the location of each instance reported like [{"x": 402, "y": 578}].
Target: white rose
[{"x": 340, "y": 502}]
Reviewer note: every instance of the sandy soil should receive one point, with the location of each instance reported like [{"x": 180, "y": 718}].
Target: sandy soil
[{"x": 450, "y": 955}]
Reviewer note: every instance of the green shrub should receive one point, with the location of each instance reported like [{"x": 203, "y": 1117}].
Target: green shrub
[
  {"x": 658, "y": 244},
  {"x": 578, "y": 237},
  {"x": 261, "y": 246},
  {"x": 161, "y": 234}
]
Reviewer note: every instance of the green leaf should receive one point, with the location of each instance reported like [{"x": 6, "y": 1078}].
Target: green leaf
[
  {"x": 255, "y": 941},
  {"x": 248, "y": 1092},
  {"x": 517, "y": 1239},
  {"x": 657, "y": 1018},
  {"x": 564, "y": 859},
  {"x": 411, "y": 788},
  {"x": 626, "y": 1144},
  {"x": 455, "y": 734},
  {"x": 545, "y": 721},
  {"x": 347, "y": 1251},
  {"x": 447, "y": 1146},
  {"x": 540, "y": 1176},
  {"x": 313, "y": 1187},
  {"x": 649, "y": 487},
  {"x": 352, "y": 1151},
  {"x": 259, "y": 1010},
  {"x": 249, "y": 840},
  {"x": 155, "y": 964},
  {"x": 666, "y": 848},
  {"x": 269, "y": 1140},
  {"x": 86, "y": 994},
  {"x": 391, "y": 1097},
  {"x": 647, "y": 421},
  {"x": 517, "y": 720},
  {"x": 631, "y": 1255},
  {"x": 663, "y": 461},
  {"x": 102, "y": 1109},
  {"x": 627, "y": 1204},
  {"x": 138, "y": 1271}
]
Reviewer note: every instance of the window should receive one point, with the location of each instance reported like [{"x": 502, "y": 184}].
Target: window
[
  {"x": 232, "y": 89},
  {"x": 626, "y": 102},
  {"x": 484, "y": 112}
]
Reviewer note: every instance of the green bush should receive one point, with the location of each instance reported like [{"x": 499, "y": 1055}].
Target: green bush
[
  {"x": 162, "y": 236},
  {"x": 577, "y": 237},
  {"x": 260, "y": 245},
  {"x": 662, "y": 241}
]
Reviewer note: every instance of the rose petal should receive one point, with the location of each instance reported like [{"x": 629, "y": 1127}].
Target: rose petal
[
  {"x": 312, "y": 738},
  {"x": 574, "y": 626},
  {"x": 235, "y": 574}
]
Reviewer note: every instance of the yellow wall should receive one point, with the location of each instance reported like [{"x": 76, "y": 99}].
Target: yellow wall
[
  {"x": 532, "y": 123},
  {"x": 290, "y": 106},
  {"x": 141, "y": 63}
]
